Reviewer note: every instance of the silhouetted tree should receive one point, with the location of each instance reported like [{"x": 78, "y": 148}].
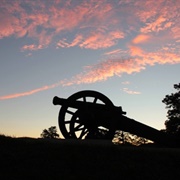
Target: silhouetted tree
[
  {"x": 122, "y": 137},
  {"x": 173, "y": 114},
  {"x": 50, "y": 133}
]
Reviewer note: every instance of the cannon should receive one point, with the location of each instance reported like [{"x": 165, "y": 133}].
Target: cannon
[{"x": 91, "y": 115}]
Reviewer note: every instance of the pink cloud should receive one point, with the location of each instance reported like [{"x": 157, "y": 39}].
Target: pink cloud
[
  {"x": 64, "y": 44},
  {"x": 43, "y": 20},
  {"x": 114, "y": 52},
  {"x": 78, "y": 39},
  {"x": 137, "y": 62},
  {"x": 31, "y": 47},
  {"x": 157, "y": 17},
  {"x": 104, "y": 70},
  {"x": 28, "y": 93},
  {"x": 100, "y": 40},
  {"x": 142, "y": 38},
  {"x": 158, "y": 25},
  {"x": 10, "y": 25},
  {"x": 95, "y": 40},
  {"x": 176, "y": 33},
  {"x": 135, "y": 50},
  {"x": 100, "y": 24}
]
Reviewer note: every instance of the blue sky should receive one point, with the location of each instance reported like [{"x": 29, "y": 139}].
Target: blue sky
[{"x": 127, "y": 49}]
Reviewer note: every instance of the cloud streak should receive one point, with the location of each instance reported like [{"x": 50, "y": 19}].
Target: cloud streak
[
  {"x": 31, "y": 47},
  {"x": 109, "y": 68},
  {"x": 28, "y": 93},
  {"x": 104, "y": 70},
  {"x": 96, "y": 40},
  {"x": 137, "y": 62},
  {"x": 126, "y": 90}
]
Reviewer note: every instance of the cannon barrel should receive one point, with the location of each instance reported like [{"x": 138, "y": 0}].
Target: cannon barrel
[
  {"x": 81, "y": 104},
  {"x": 58, "y": 101}
]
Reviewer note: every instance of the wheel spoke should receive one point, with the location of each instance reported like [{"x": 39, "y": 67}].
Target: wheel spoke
[
  {"x": 95, "y": 100},
  {"x": 70, "y": 112},
  {"x": 67, "y": 122},
  {"x": 78, "y": 128},
  {"x": 84, "y": 131},
  {"x": 84, "y": 98}
]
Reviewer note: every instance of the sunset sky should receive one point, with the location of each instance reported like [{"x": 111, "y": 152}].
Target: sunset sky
[{"x": 128, "y": 50}]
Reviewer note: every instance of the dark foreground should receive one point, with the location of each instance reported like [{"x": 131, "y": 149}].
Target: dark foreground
[{"x": 25, "y": 158}]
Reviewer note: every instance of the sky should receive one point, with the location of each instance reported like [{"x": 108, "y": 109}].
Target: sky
[{"x": 129, "y": 50}]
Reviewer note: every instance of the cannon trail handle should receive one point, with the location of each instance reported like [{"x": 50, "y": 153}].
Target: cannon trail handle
[{"x": 142, "y": 130}]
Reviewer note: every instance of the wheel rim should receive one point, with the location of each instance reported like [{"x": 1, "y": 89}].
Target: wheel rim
[{"x": 70, "y": 124}]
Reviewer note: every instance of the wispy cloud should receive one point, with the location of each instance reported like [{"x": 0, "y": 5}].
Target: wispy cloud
[
  {"x": 93, "y": 24},
  {"x": 31, "y": 47},
  {"x": 126, "y": 82},
  {"x": 156, "y": 16},
  {"x": 95, "y": 40},
  {"x": 137, "y": 62},
  {"x": 158, "y": 25},
  {"x": 28, "y": 93},
  {"x": 43, "y": 21},
  {"x": 104, "y": 70},
  {"x": 126, "y": 90},
  {"x": 142, "y": 38},
  {"x": 116, "y": 53}
]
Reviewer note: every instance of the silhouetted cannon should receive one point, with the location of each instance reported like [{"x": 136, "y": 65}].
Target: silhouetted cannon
[{"x": 90, "y": 114}]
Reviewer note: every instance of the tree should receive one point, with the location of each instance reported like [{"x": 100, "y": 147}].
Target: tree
[
  {"x": 122, "y": 137},
  {"x": 172, "y": 102},
  {"x": 50, "y": 133}
]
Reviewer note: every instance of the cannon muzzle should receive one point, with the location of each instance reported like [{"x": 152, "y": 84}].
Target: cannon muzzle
[{"x": 58, "y": 101}]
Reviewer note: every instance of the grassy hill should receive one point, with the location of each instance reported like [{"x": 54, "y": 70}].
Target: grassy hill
[{"x": 27, "y": 158}]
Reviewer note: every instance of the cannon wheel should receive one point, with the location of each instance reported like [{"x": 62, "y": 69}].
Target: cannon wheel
[{"x": 69, "y": 121}]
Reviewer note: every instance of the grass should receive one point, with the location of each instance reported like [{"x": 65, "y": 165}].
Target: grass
[{"x": 27, "y": 158}]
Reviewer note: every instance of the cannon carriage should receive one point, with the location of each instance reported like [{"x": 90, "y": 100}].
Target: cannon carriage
[{"x": 91, "y": 115}]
